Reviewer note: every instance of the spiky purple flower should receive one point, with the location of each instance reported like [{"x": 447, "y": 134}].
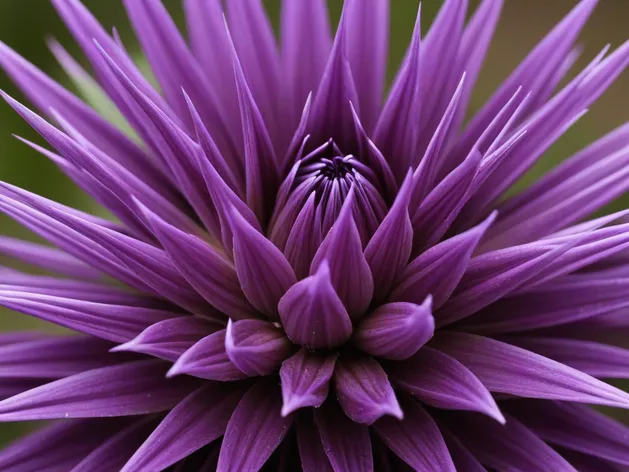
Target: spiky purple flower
[{"x": 314, "y": 280}]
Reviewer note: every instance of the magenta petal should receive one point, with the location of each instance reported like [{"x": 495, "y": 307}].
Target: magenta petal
[
  {"x": 390, "y": 247},
  {"x": 128, "y": 389},
  {"x": 349, "y": 270},
  {"x": 415, "y": 439},
  {"x": 312, "y": 313},
  {"x": 256, "y": 347},
  {"x": 396, "y": 330},
  {"x": 264, "y": 273},
  {"x": 442, "y": 382},
  {"x": 306, "y": 380},
  {"x": 255, "y": 429},
  {"x": 363, "y": 390},
  {"x": 197, "y": 420},
  {"x": 346, "y": 443},
  {"x": 207, "y": 359}
]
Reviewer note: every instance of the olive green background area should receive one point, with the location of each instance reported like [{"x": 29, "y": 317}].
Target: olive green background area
[{"x": 25, "y": 24}]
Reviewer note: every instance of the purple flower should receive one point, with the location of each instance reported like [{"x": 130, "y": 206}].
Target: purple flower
[{"x": 311, "y": 277}]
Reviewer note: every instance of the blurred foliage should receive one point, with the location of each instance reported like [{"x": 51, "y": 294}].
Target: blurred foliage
[{"x": 26, "y": 24}]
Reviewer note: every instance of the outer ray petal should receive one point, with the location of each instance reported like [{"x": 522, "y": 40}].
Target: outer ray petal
[
  {"x": 254, "y": 431},
  {"x": 347, "y": 444},
  {"x": 508, "y": 369},
  {"x": 416, "y": 439},
  {"x": 197, "y": 420},
  {"x": 133, "y": 388}
]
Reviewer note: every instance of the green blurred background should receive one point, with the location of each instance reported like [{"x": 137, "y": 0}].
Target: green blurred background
[{"x": 25, "y": 24}]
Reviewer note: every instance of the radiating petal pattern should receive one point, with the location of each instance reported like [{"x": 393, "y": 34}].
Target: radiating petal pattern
[{"x": 302, "y": 269}]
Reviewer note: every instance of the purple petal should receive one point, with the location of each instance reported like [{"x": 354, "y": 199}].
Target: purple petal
[
  {"x": 372, "y": 156},
  {"x": 434, "y": 215},
  {"x": 493, "y": 275},
  {"x": 46, "y": 448},
  {"x": 313, "y": 458},
  {"x": 587, "y": 463},
  {"x": 306, "y": 45},
  {"x": 390, "y": 247},
  {"x": 508, "y": 369},
  {"x": 255, "y": 429},
  {"x": 576, "y": 427},
  {"x": 367, "y": 51},
  {"x": 396, "y": 130},
  {"x": 346, "y": 443},
  {"x": 224, "y": 199},
  {"x": 206, "y": 25},
  {"x": 532, "y": 73},
  {"x": 175, "y": 67},
  {"x": 264, "y": 273},
  {"x": 475, "y": 42},
  {"x": 331, "y": 114},
  {"x": 118, "y": 323},
  {"x": 261, "y": 162},
  {"x": 349, "y": 270},
  {"x": 511, "y": 446},
  {"x": 595, "y": 359},
  {"x": 129, "y": 389},
  {"x": 47, "y": 258},
  {"x": 256, "y": 347},
  {"x": 306, "y": 380},
  {"x": 555, "y": 303},
  {"x": 166, "y": 139},
  {"x": 580, "y": 165},
  {"x": 463, "y": 459},
  {"x": 113, "y": 453},
  {"x": 54, "y": 357},
  {"x": 207, "y": 359},
  {"x": 427, "y": 174},
  {"x": 442, "y": 382},
  {"x": 169, "y": 339},
  {"x": 312, "y": 313},
  {"x": 438, "y": 271},
  {"x": 46, "y": 94},
  {"x": 213, "y": 276},
  {"x": 363, "y": 390},
  {"x": 196, "y": 421},
  {"x": 416, "y": 439},
  {"x": 257, "y": 49},
  {"x": 439, "y": 75},
  {"x": 230, "y": 169},
  {"x": 304, "y": 238},
  {"x": 396, "y": 330}
]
